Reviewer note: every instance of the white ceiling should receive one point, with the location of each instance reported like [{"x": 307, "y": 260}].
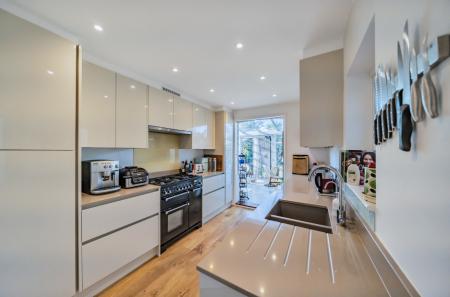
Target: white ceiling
[{"x": 149, "y": 38}]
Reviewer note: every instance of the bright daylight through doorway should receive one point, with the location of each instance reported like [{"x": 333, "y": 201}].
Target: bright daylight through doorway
[{"x": 261, "y": 159}]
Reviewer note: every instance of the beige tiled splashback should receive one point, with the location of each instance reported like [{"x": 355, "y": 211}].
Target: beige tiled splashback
[{"x": 163, "y": 153}]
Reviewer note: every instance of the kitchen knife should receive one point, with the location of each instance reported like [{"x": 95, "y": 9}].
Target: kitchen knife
[
  {"x": 404, "y": 117},
  {"x": 427, "y": 89},
  {"x": 386, "y": 107},
  {"x": 416, "y": 100},
  {"x": 375, "y": 123},
  {"x": 384, "y": 94}
]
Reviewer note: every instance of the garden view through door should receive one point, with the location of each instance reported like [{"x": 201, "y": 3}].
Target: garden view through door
[{"x": 261, "y": 144}]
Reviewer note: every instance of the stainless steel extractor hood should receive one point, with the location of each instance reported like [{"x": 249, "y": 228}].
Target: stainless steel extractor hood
[{"x": 168, "y": 130}]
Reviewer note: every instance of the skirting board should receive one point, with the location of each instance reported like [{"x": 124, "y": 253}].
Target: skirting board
[
  {"x": 118, "y": 274},
  {"x": 388, "y": 270}
]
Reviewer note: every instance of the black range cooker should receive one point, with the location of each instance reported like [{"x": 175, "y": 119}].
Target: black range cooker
[{"x": 181, "y": 206}]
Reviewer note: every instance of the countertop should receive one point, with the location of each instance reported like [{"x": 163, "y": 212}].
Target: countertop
[
  {"x": 246, "y": 270},
  {"x": 210, "y": 174},
  {"x": 88, "y": 201}
]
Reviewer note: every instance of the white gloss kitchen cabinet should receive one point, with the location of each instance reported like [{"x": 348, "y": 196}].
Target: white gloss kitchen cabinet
[
  {"x": 131, "y": 113},
  {"x": 168, "y": 110},
  {"x": 321, "y": 100},
  {"x": 182, "y": 114},
  {"x": 37, "y": 160},
  {"x": 117, "y": 237},
  {"x": 113, "y": 109},
  {"x": 160, "y": 108},
  {"x": 213, "y": 200},
  {"x": 203, "y": 125}
]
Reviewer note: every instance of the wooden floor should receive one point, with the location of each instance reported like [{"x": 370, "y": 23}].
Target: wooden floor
[{"x": 174, "y": 273}]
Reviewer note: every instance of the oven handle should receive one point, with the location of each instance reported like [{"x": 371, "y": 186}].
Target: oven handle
[
  {"x": 178, "y": 195},
  {"x": 176, "y": 208}
]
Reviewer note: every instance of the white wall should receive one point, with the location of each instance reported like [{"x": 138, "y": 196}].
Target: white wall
[
  {"x": 291, "y": 112},
  {"x": 413, "y": 201}
]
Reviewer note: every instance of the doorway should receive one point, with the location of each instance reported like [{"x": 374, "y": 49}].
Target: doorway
[{"x": 261, "y": 159}]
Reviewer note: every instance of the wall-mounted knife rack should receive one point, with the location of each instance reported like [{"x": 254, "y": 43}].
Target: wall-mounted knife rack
[{"x": 392, "y": 110}]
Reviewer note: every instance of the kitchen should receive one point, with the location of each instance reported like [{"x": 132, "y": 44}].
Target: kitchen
[{"x": 119, "y": 162}]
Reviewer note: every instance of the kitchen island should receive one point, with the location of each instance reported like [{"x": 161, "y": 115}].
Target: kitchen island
[{"x": 245, "y": 264}]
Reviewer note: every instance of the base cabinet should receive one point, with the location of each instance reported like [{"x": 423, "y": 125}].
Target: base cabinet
[
  {"x": 107, "y": 254},
  {"x": 213, "y": 203}
]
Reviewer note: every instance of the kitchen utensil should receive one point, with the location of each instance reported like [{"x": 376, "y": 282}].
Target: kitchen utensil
[
  {"x": 427, "y": 88},
  {"x": 416, "y": 100},
  {"x": 382, "y": 111},
  {"x": 404, "y": 116},
  {"x": 375, "y": 122},
  {"x": 388, "y": 100},
  {"x": 439, "y": 50}
]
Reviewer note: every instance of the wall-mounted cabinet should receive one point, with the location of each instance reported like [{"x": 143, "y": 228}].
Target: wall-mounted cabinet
[
  {"x": 131, "y": 113},
  {"x": 182, "y": 114},
  {"x": 113, "y": 109},
  {"x": 203, "y": 126},
  {"x": 321, "y": 92},
  {"x": 160, "y": 108},
  {"x": 169, "y": 111}
]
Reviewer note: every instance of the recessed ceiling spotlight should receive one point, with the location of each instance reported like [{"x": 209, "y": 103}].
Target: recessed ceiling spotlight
[
  {"x": 212, "y": 90},
  {"x": 50, "y": 72},
  {"x": 262, "y": 77},
  {"x": 175, "y": 69},
  {"x": 239, "y": 45},
  {"x": 232, "y": 102},
  {"x": 133, "y": 86},
  {"x": 274, "y": 95},
  {"x": 98, "y": 28}
]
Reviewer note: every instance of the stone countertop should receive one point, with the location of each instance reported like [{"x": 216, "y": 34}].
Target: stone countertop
[
  {"x": 251, "y": 273},
  {"x": 88, "y": 201},
  {"x": 210, "y": 174}
]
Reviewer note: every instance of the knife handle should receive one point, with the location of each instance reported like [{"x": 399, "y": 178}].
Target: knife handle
[
  {"x": 379, "y": 128},
  {"x": 393, "y": 117},
  {"x": 389, "y": 122},
  {"x": 385, "y": 123},
  {"x": 375, "y": 131},
  {"x": 405, "y": 128},
  {"x": 416, "y": 102},
  {"x": 429, "y": 96}
]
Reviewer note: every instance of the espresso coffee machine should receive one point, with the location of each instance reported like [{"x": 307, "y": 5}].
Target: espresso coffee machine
[{"x": 100, "y": 176}]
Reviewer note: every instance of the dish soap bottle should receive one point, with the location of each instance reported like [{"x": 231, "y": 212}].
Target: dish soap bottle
[{"x": 353, "y": 174}]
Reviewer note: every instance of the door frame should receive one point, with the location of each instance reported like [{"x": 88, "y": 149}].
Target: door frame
[{"x": 236, "y": 147}]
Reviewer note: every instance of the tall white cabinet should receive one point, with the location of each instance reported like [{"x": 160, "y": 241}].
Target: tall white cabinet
[{"x": 37, "y": 160}]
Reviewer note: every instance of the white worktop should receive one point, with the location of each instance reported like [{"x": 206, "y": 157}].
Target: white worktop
[{"x": 251, "y": 274}]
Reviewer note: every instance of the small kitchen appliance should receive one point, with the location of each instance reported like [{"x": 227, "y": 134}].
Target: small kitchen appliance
[
  {"x": 100, "y": 176},
  {"x": 325, "y": 182},
  {"x": 133, "y": 176}
]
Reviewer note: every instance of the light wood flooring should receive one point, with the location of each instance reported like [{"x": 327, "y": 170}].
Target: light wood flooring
[{"x": 174, "y": 272}]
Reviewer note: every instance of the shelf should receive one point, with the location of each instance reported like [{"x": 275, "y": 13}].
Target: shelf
[{"x": 358, "y": 192}]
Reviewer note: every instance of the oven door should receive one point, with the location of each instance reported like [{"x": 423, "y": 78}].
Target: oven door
[{"x": 174, "y": 221}]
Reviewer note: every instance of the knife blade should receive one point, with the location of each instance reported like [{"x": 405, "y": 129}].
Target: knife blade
[
  {"x": 406, "y": 79},
  {"x": 429, "y": 96},
  {"x": 416, "y": 100}
]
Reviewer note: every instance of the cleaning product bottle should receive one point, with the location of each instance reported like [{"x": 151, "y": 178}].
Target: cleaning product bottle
[{"x": 353, "y": 173}]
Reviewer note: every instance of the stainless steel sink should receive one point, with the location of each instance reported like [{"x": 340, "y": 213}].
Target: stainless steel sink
[{"x": 304, "y": 215}]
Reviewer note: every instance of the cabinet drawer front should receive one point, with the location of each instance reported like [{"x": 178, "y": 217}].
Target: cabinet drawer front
[
  {"x": 213, "y": 201},
  {"x": 104, "y": 256},
  {"x": 108, "y": 217},
  {"x": 213, "y": 183}
]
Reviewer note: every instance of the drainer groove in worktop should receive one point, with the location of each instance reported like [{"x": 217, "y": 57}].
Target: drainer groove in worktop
[{"x": 290, "y": 245}]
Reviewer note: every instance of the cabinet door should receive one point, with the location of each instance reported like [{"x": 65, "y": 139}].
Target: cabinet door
[
  {"x": 37, "y": 223},
  {"x": 200, "y": 128},
  {"x": 109, "y": 253},
  {"x": 212, "y": 203},
  {"x": 97, "y": 107},
  {"x": 160, "y": 108},
  {"x": 210, "y": 124},
  {"x": 37, "y": 87},
  {"x": 131, "y": 113},
  {"x": 182, "y": 114}
]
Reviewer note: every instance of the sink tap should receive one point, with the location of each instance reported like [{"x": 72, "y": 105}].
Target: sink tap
[{"x": 338, "y": 183}]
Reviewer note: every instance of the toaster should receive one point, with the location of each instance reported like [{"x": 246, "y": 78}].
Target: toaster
[{"x": 133, "y": 176}]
